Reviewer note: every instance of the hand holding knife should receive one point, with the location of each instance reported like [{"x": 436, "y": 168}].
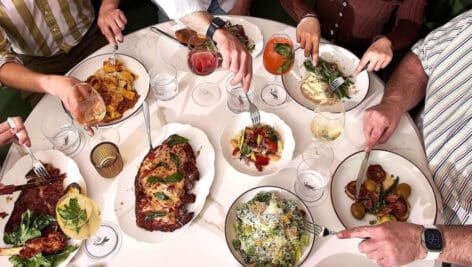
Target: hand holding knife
[
  {"x": 361, "y": 174},
  {"x": 9, "y": 189}
]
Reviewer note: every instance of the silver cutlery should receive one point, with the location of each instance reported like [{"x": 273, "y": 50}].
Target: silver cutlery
[
  {"x": 38, "y": 167},
  {"x": 113, "y": 56},
  {"x": 253, "y": 111},
  {"x": 318, "y": 230},
  {"x": 340, "y": 80},
  {"x": 361, "y": 174},
  {"x": 147, "y": 123},
  {"x": 159, "y": 31}
]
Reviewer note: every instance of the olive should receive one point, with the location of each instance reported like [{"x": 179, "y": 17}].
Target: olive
[
  {"x": 358, "y": 210},
  {"x": 387, "y": 218},
  {"x": 370, "y": 185},
  {"x": 403, "y": 190}
]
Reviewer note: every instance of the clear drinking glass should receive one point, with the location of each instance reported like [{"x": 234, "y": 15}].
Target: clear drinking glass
[
  {"x": 237, "y": 101},
  {"x": 59, "y": 129},
  {"x": 203, "y": 60},
  {"x": 312, "y": 179},
  {"x": 164, "y": 84}
]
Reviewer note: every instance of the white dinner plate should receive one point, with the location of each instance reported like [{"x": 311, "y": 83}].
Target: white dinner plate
[
  {"x": 234, "y": 126},
  {"x": 347, "y": 63},
  {"x": 90, "y": 65},
  {"x": 16, "y": 175},
  {"x": 231, "y": 217},
  {"x": 176, "y": 54},
  {"x": 422, "y": 198},
  {"x": 125, "y": 197}
]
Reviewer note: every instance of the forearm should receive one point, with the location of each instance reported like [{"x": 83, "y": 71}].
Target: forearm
[
  {"x": 457, "y": 244},
  {"x": 296, "y": 8},
  {"x": 407, "y": 86},
  {"x": 198, "y": 21},
  {"x": 18, "y": 76},
  {"x": 404, "y": 34},
  {"x": 109, "y": 4}
]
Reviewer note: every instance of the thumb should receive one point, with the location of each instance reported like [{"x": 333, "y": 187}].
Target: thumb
[{"x": 357, "y": 232}]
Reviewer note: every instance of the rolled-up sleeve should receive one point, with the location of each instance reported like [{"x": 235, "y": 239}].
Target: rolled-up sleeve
[{"x": 178, "y": 9}]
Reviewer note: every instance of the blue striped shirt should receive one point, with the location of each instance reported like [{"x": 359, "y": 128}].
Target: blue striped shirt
[{"x": 446, "y": 56}]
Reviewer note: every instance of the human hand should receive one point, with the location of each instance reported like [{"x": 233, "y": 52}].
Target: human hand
[
  {"x": 111, "y": 21},
  {"x": 390, "y": 243},
  {"x": 380, "y": 122},
  {"x": 235, "y": 57},
  {"x": 17, "y": 134},
  {"x": 308, "y": 35},
  {"x": 378, "y": 55}
]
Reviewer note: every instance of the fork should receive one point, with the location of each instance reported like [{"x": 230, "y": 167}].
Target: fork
[
  {"x": 253, "y": 111},
  {"x": 38, "y": 167},
  {"x": 340, "y": 80},
  {"x": 113, "y": 55},
  {"x": 318, "y": 230}
]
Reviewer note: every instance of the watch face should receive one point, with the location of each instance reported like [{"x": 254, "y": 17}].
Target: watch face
[
  {"x": 218, "y": 22},
  {"x": 433, "y": 239}
]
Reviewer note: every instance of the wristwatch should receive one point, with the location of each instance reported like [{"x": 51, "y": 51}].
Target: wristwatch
[
  {"x": 216, "y": 23},
  {"x": 432, "y": 241}
]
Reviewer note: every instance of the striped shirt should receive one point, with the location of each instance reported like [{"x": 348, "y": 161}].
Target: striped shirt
[
  {"x": 446, "y": 56},
  {"x": 42, "y": 27}
]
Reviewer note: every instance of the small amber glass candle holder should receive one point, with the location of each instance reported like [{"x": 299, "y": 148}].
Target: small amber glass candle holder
[{"x": 106, "y": 159}]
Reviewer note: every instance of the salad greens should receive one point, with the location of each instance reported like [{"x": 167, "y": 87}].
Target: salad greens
[
  {"x": 270, "y": 231},
  {"x": 29, "y": 228},
  {"x": 40, "y": 260},
  {"x": 329, "y": 71}
]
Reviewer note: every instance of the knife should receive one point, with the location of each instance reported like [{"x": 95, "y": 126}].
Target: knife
[
  {"x": 159, "y": 31},
  {"x": 361, "y": 174},
  {"x": 8, "y": 189}
]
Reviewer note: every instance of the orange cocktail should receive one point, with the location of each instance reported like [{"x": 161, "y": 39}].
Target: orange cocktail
[{"x": 278, "y": 54}]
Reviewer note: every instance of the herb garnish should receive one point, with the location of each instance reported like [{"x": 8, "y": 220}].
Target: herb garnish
[
  {"x": 73, "y": 213},
  {"x": 29, "y": 228},
  {"x": 175, "y": 159},
  {"x": 177, "y": 139},
  {"x": 285, "y": 50},
  {"x": 161, "y": 196},
  {"x": 176, "y": 177},
  {"x": 329, "y": 73},
  {"x": 155, "y": 214}
]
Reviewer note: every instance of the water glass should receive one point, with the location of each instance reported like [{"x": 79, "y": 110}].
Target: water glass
[
  {"x": 60, "y": 130},
  {"x": 164, "y": 83},
  {"x": 106, "y": 159},
  {"x": 237, "y": 101},
  {"x": 312, "y": 179}
]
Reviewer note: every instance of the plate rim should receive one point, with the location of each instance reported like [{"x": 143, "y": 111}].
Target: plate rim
[
  {"x": 354, "y": 106},
  {"x": 242, "y": 18},
  {"x": 387, "y": 151},
  {"x": 261, "y": 173},
  {"x": 269, "y": 187},
  {"x": 122, "y": 119}
]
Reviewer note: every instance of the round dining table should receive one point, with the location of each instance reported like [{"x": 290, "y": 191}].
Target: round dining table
[{"x": 204, "y": 243}]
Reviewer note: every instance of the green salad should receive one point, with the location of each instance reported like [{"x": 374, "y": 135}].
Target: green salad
[
  {"x": 329, "y": 71},
  {"x": 270, "y": 231}
]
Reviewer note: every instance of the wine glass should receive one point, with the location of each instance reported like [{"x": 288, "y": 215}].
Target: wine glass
[
  {"x": 92, "y": 110},
  {"x": 313, "y": 174},
  {"x": 203, "y": 60},
  {"x": 278, "y": 59}
]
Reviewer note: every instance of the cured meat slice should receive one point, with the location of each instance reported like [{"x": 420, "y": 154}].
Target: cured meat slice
[{"x": 162, "y": 186}]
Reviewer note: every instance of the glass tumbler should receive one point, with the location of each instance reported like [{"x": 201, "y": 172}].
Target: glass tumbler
[
  {"x": 59, "y": 129},
  {"x": 312, "y": 179},
  {"x": 106, "y": 159},
  {"x": 237, "y": 100},
  {"x": 164, "y": 84}
]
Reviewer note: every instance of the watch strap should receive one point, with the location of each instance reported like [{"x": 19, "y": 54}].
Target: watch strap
[{"x": 216, "y": 23}]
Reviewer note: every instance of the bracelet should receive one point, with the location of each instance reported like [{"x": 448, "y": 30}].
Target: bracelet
[{"x": 309, "y": 15}]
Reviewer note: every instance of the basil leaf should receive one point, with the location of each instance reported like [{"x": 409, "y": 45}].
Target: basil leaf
[
  {"x": 175, "y": 159},
  {"x": 245, "y": 150},
  {"x": 177, "y": 139},
  {"x": 283, "y": 49},
  {"x": 161, "y": 196},
  {"x": 286, "y": 65},
  {"x": 161, "y": 164},
  {"x": 153, "y": 179},
  {"x": 176, "y": 177},
  {"x": 29, "y": 228},
  {"x": 155, "y": 214}
]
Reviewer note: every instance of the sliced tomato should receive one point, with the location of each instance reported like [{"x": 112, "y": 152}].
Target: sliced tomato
[
  {"x": 261, "y": 160},
  {"x": 271, "y": 145},
  {"x": 151, "y": 155},
  {"x": 259, "y": 167},
  {"x": 235, "y": 151}
]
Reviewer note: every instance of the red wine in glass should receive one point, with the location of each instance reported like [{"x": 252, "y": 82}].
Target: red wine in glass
[{"x": 202, "y": 62}]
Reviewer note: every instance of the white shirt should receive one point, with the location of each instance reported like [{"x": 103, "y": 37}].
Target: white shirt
[{"x": 180, "y": 8}]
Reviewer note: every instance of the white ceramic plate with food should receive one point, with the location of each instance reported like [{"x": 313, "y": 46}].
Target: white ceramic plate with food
[
  {"x": 231, "y": 218},
  {"x": 422, "y": 199},
  {"x": 252, "y": 31},
  {"x": 125, "y": 197},
  {"x": 242, "y": 120},
  {"x": 16, "y": 175},
  {"x": 347, "y": 63},
  {"x": 89, "y": 65}
]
